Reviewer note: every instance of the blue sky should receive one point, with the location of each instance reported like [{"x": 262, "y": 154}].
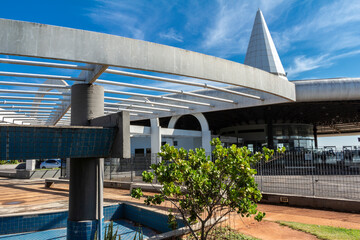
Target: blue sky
[{"x": 315, "y": 39}]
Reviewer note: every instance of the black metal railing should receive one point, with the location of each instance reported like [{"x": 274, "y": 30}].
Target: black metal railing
[{"x": 319, "y": 173}]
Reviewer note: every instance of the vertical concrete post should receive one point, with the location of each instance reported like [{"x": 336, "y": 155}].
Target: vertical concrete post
[
  {"x": 67, "y": 168},
  {"x": 155, "y": 139},
  {"x": 86, "y": 174},
  {"x": 205, "y": 141},
  {"x": 315, "y": 135}
]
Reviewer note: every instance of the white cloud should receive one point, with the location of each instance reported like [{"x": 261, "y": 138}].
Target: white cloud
[
  {"x": 304, "y": 64},
  {"x": 331, "y": 27},
  {"x": 229, "y": 32},
  {"x": 172, "y": 35},
  {"x": 222, "y": 27},
  {"x": 329, "y": 32},
  {"x": 129, "y": 19}
]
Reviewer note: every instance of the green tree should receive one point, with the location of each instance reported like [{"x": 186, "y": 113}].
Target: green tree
[{"x": 205, "y": 191}]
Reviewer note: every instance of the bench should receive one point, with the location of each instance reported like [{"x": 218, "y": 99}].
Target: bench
[
  {"x": 49, "y": 182},
  {"x": 146, "y": 187}
]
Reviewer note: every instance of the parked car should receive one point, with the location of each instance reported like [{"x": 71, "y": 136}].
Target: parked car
[{"x": 51, "y": 163}]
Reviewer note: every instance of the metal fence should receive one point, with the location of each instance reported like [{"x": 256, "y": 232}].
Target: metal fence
[
  {"x": 129, "y": 169},
  {"x": 320, "y": 173}
]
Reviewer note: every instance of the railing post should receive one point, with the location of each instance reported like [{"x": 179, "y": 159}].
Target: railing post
[
  {"x": 110, "y": 169},
  {"x": 261, "y": 175},
  {"x": 312, "y": 173}
]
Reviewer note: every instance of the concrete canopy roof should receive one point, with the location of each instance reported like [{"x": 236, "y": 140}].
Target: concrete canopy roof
[{"x": 93, "y": 53}]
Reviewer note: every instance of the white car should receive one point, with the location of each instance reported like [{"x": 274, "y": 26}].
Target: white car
[{"x": 51, "y": 163}]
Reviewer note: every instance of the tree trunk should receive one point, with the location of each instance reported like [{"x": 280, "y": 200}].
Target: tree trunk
[{"x": 203, "y": 237}]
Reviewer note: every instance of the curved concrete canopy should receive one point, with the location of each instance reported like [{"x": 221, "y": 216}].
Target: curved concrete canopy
[
  {"x": 52, "y": 42},
  {"x": 337, "y": 89}
]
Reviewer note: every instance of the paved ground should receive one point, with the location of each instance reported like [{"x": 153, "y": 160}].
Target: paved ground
[{"x": 18, "y": 196}]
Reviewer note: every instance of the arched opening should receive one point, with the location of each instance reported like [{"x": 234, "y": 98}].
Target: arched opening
[{"x": 188, "y": 122}]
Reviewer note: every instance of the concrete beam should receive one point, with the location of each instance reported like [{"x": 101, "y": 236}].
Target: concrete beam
[
  {"x": 121, "y": 121},
  {"x": 52, "y": 42}
]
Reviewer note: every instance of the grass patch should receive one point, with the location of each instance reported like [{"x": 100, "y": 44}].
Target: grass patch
[
  {"x": 226, "y": 233},
  {"x": 324, "y": 232}
]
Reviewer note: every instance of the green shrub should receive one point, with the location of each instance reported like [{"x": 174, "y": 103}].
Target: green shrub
[
  {"x": 2, "y": 162},
  {"x": 198, "y": 185}
]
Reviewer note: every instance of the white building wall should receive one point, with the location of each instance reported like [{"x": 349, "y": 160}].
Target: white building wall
[
  {"x": 140, "y": 142},
  {"x": 145, "y": 142}
]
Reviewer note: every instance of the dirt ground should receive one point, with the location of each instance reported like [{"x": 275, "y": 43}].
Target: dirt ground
[{"x": 20, "y": 196}]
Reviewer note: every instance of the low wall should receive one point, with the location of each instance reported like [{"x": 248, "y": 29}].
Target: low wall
[
  {"x": 16, "y": 223},
  {"x": 343, "y": 205},
  {"x": 35, "y": 174},
  {"x": 8, "y": 166}
]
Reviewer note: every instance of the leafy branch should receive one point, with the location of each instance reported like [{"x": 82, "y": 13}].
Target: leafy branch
[{"x": 200, "y": 188}]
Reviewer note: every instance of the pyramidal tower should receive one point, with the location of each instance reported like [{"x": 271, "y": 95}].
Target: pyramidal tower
[{"x": 261, "y": 52}]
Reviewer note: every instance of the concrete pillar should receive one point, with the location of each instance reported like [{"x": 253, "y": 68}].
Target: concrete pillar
[
  {"x": 205, "y": 141},
  {"x": 155, "y": 139},
  {"x": 315, "y": 136},
  {"x": 86, "y": 174},
  {"x": 30, "y": 164},
  {"x": 270, "y": 135},
  {"x": 67, "y": 168}
]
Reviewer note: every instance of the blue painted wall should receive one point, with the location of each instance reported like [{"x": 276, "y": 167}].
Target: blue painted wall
[
  {"x": 46, "y": 221},
  {"x": 148, "y": 218},
  {"x": 19, "y": 143}
]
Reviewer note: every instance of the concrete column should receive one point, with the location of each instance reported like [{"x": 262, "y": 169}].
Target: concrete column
[
  {"x": 86, "y": 174},
  {"x": 315, "y": 136},
  {"x": 155, "y": 139},
  {"x": 205, "y": 141},
  {"x": 67, "y": 168},
  {"x": 270, "y": 135}
]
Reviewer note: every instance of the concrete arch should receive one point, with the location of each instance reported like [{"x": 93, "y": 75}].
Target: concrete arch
[
  {"x": 199, "y": 116},
  {"x": 205, "y": 131}
]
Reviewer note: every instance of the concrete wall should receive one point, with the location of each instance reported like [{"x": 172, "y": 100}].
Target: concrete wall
[
  {"x": 36, "y": 174},
  {"x": 144, "y": 142},
  {"x": 342, "y": 205}
]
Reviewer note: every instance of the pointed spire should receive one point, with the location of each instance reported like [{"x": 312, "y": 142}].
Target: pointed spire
[{"x": 261, "y": 52}]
